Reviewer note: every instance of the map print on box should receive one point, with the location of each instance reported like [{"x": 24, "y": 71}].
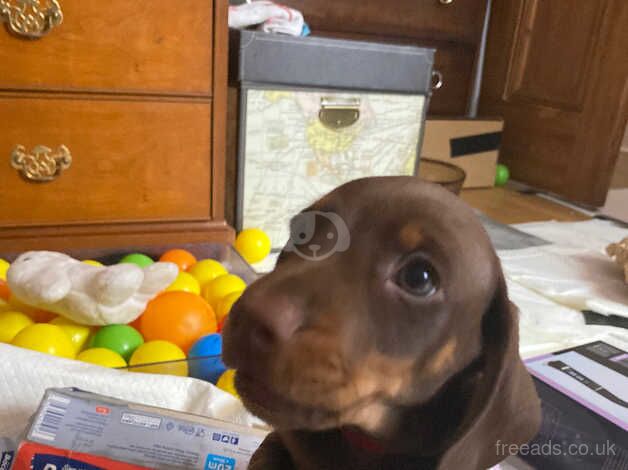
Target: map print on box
[{"x": 291, "y": 158}]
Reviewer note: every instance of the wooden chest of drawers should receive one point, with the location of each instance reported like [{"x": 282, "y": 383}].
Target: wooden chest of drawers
[{"x": 113, "y": 122}]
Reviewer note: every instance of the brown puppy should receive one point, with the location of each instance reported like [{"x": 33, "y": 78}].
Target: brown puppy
[{"x": 384, "y": 338}]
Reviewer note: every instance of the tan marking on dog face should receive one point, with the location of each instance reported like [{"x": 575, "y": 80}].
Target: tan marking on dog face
[
  {"x": 411, "y": 236},
  {"x": 443, "y": 357}
]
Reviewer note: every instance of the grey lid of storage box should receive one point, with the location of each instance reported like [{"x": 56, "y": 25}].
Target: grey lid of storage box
[{"x": 317, "y": 62}]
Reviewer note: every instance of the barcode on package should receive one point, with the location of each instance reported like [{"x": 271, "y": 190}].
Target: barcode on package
[{"x": 50, "y": 418}]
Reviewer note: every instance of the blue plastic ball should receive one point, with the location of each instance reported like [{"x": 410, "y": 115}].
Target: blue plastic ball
[{"x": 205, "y": 358}]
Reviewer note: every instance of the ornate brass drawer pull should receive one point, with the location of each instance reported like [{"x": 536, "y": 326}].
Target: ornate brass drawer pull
[
  {"x": 337, "y": 113},
  {"x": 31, "y": 18},
  {"x": 41, "y": 164}
]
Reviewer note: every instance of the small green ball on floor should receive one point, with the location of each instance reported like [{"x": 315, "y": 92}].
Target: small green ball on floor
[{"x": 502, "y": 174}]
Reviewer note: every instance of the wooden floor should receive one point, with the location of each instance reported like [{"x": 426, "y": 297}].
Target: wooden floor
[{"x": 510, "y": 207}]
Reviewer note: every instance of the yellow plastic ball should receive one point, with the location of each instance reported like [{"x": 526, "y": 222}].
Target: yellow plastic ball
[
  {"x": 46, "y": 338},
  {"x": 223, "y": 306},
  {"x": 4, "y": 267},
  {"x": 185, "y": 282},
  {"x": 253, "y": 245},
  {"x": 102, "y": 357},
  {"x": 78, "y": 334},
  {"x": 226, "y": 382},
  {"x": 11, "y": 323},
  {"x": 206, "y": 270},
  {"x": 157, "y": 354},
  {"x": 92, "y": 262},
  {"x": 5, "y": 306},
  {"x": 223, "y": 285}
]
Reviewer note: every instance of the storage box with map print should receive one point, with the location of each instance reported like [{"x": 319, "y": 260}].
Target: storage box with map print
[{"x": 318, "y": 112}]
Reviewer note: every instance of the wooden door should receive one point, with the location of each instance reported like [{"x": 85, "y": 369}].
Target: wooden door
[{"x": 557, "y": 72}]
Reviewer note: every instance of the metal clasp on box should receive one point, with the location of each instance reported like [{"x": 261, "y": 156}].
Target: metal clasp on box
[{"x": 338, "y": 113}]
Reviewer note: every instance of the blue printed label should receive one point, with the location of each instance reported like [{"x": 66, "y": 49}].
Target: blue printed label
[
  {"x": 56, "y": 462},
  {"x": 5, "y": 460},
  {"x": 219, "y": 462}
]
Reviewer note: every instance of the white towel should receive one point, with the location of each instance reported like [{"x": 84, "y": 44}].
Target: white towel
[{"x": 271, "y": 17}]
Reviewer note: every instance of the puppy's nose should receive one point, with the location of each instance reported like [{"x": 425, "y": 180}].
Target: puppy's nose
[{"x": 274, "y": 319}]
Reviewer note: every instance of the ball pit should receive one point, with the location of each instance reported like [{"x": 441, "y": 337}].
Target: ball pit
[{"x": 176, "y": 334}]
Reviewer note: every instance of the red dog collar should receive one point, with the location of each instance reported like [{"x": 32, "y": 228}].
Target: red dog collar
[{"x": 362, "y": 441}]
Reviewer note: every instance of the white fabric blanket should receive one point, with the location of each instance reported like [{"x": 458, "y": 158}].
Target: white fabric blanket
[{"x": 27, "y": 374}]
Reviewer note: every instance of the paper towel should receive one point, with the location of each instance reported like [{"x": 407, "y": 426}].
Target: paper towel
[{"x": 27, "y": 374}]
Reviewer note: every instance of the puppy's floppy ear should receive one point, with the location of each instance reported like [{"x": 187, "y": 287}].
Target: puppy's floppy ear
[{"x": 504, "y": 408}]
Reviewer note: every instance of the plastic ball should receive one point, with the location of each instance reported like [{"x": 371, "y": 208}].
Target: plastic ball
[
  {"x": 185, "y": 282},
  {"x": 182, "y": 258},
  {"x": 92, "y": 262},
  {"x": 122, "y": 339},
  {"x": 78, "y": 334},
  {"x": 46, "y": 338},
  {"x": 137, "y": 258},
  {"x": 222, "y": 286},
  {"x": 202, "y": 366},
  {"x": 102, "y": 357},
  {"x": 11, "y": 323},
  {"x": 4, "y": 267},
  {"x": 5, "y": 292},
  {"x": 502, "y": 174},
  {"x": 156, "y": 353},
  {"x": 178, "y": 317},
  {"x": 223, "y": 306},
  {"x": 226, "y": 382},
  {"x": 253, "y": 245},
  {"x": 207, "y": 270},
  {"x": 37, "y": 315},
  {"x": 5, "y": 306}
]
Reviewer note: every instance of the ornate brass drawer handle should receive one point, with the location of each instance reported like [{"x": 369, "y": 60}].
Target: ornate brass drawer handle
[
  {"x": 31, "y": 18},
  {"x": 41, "y": 164}
]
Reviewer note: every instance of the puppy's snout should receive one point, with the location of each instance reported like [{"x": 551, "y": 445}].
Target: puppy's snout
[{"x": 268, "y": 321}]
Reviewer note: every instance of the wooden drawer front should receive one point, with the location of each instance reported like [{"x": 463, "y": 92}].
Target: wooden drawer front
[
  {"x": 419, "y": 19},
  {"x": 144, "y": 46},
  {"x": 456, "y": 62},
  {"x": 131, "y": 160}
]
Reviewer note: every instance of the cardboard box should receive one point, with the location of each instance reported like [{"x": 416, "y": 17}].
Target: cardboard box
[
  {"x": 81, "y": 425},
  {"x": 471, "y": 144}
]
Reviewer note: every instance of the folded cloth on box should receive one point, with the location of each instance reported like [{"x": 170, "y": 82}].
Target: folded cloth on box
[
  {"x": 546, "y": 326},
  {"x": 578, "y": 278},
  {"x": 27, "y": 374},
  {"x": 271, "y": 18},
  {"x": 591, "y": 234}
]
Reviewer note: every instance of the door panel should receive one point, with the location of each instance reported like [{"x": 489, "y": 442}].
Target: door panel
[
  {"x": 569, "y": 40},
  {"x": 557, "y": 72}
]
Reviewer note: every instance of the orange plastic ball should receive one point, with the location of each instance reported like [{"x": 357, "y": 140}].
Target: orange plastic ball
[
  {"x": 5, "y": 293},
  {"x": 182, "y": 258},
  {"x": 137, "y": 323},
  {"x": 38, "y": 315},
  {"x": 179, "y": 317}
]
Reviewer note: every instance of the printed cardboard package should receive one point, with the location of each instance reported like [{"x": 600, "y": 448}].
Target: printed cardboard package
[{"x": 84, "y": 431}]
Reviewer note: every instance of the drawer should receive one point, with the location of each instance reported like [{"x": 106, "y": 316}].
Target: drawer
[
  {"x": 459, "y": 20},
  {"x": 143, "y": 46},
  {"x": 132, "y": 160}
]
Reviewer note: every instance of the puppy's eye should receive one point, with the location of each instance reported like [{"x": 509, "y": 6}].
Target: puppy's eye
[{"x": 418, "y": 277}]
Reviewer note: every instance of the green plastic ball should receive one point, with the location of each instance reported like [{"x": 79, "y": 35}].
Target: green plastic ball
[
  {"x": 501, "y": 174},
  {"x": 123, "y": 339},
  {"x": 137, "y": 258}
]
